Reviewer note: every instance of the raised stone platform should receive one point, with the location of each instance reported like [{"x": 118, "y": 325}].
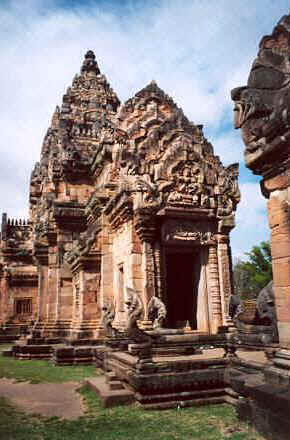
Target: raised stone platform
[{"x": 169, "y": 381}]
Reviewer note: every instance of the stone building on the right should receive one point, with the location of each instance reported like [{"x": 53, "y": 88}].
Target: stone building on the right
[{"x": 262, "y": 111}]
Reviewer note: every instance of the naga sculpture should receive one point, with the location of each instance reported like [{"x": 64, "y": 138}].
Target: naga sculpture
[
  {"x": 263, "y": 327},
  {"x": 266, "y": 309},
  {"x": 262, "y": 108},
  {"x": 108, "y": 316},
  {"x": 135, "y": 313},
  {"x": 156, "y": 312}
]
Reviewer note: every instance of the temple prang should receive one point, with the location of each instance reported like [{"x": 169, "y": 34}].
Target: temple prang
[{"x": 124, "y": 196}]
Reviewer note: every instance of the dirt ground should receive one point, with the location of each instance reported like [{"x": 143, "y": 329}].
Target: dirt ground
[{"x": 60, "y": 400}]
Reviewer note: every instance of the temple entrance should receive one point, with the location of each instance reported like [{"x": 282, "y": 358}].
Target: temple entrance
[{"x": 182, "y": 279}]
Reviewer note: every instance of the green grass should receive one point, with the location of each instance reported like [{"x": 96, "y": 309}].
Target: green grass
[
  {"x": 217, "y": 422},
  {"x": 42, "y": 371}
]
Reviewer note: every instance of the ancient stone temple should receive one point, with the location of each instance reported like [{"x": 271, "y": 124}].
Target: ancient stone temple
[{"x": 124, "y": 197}]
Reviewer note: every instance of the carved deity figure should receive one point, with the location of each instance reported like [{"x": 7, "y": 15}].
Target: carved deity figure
[
  {"x": 156, "y": 312},
  {"x": 262, "y": 108}
]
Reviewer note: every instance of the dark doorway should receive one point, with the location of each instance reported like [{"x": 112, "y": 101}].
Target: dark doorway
[{"x": 181, "y": 289}]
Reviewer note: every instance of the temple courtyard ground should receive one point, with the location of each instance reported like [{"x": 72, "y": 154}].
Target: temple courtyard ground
[{"x": 39, "y": 401}]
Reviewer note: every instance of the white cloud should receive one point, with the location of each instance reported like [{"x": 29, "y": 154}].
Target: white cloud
[
  {"x": 251, "y": 220},
  {"x": 195, "y": 50},
  {"x": 228, "y": 146}
]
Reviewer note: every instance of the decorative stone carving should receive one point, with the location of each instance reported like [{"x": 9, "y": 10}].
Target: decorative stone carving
[
  {"x": 263, "y": 324},
  {"x": 168, "y": 162},
  {"x": 175, "y": 231},
  {"x": 262, "y": 107},
  {"x": 83, "y": 245},
  {"x": 266, "y": 308},
  {"x": 135, "y": 314},
  {"x": 108, "y": 316},
  {"x": 156, "y": 312}
]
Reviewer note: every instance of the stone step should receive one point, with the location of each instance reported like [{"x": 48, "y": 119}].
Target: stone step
[
  {"x": 185, "y": 403},
  {"x": 110, "y": 375},
  {"x": 115, "y": 385},
  {"x": 110, "y": 397},
  {"x": 180, "y": 397}
]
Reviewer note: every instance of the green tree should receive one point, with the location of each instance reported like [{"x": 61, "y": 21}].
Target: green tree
[{"x": 251, "y": 276}]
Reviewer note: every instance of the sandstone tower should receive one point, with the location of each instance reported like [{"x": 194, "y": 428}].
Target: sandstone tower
[{"x": 124, "y": 196}]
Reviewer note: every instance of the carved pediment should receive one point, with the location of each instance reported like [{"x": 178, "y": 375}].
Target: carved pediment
[{"x": 165, "y": 159}]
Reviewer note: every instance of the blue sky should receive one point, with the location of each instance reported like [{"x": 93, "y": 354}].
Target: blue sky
[{"x": 196, "y": 50}]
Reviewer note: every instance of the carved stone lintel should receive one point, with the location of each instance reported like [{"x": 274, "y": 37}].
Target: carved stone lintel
[{"x": 185, "y": 232}]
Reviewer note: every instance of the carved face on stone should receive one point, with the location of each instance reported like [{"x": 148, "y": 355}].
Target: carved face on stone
[{"x": 262, "y": 108}]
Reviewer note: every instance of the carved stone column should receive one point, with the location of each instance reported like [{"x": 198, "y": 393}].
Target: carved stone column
[
  {"x": 279, "y": 222},
  {"x": 158, "y": 271},
  {"x": 42, "y": 292},
  {"x": 214, "y": 290},
  {"x": 146, "y": 229},
  {"x": 225, "y": 269},
  {"x": 202, "y": 315},
  {"x": 149, "y": 278}
]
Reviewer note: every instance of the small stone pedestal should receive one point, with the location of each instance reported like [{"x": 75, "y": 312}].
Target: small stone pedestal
[{"x": 143, "y": 351}]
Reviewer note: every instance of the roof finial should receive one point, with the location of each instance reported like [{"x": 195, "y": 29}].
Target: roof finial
[{"x": 89, "y": 63}]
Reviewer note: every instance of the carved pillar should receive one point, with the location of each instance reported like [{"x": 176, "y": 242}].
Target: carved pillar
[
  {"x": 4, "y": 295},
  {"x": 158, "y": 271},
  {"x": 149, "y": 275},
  {"x": 76, "y": 302},
  {"x": 40, "y": 292},
  {"x": 214, "y": 290},
  {"x": 57, "y": 297},
  {"x": 202, "y": 313},
  {"x": 146, "y": 229},
  {"x": 164, "y": 277},
  {"x": 225, "y": 267},
  {"x": 107, "y": 276}
]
